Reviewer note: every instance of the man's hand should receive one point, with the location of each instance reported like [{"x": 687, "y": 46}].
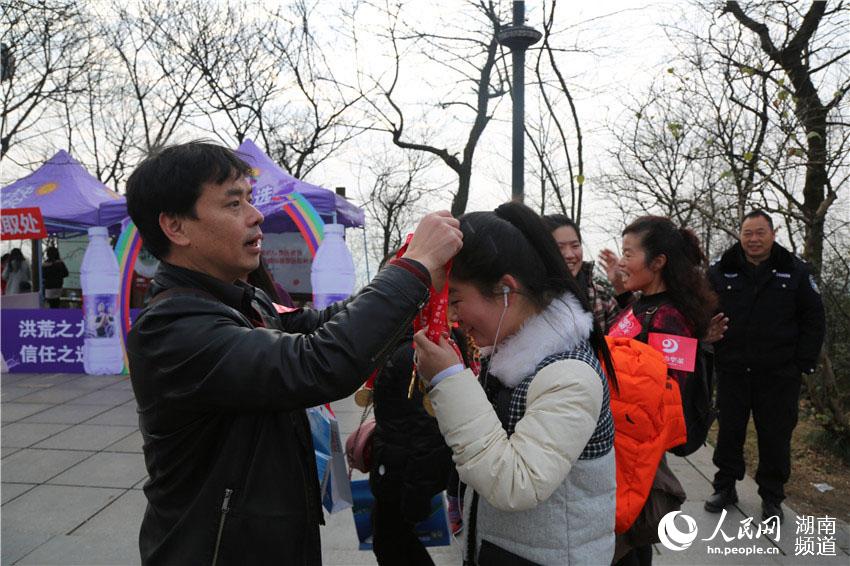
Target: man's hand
[
  {"x": 609, "y": 261},
  {"x": 432, "y": 358},
  {"x": 716, "y": 328},
  {"x": 436, "y": 240}
]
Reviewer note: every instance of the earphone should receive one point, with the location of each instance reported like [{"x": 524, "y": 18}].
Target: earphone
[{"x": 506, "y": 290}]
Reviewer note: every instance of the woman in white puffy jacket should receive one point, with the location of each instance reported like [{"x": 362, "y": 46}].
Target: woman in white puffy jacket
[{"x": 535, "y": 443}]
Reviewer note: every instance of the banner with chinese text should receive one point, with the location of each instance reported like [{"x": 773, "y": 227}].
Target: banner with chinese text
[
  {"x": 289, "y": 261},
  {"x": 44, "y": 340},
  {"x": 22, "y": 224}
]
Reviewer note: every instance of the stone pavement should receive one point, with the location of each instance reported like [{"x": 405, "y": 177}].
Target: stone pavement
[{"x": 72, "y": 472}]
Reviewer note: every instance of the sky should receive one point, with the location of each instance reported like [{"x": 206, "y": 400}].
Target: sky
[
  {"x": 625, "y": 51},
  {"x": 629, "y": 51}
]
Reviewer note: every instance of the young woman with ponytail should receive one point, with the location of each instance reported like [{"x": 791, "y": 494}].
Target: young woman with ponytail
[
  {"x": 666, "y": 266},
  {"x": 534, "y": 444}
]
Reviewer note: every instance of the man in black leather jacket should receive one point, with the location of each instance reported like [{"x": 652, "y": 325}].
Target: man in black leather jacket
[
  {"x": 222, "y": 377},
  {"x": 776, "y": 329}
]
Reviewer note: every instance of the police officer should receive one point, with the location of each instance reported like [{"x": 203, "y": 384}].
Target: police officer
[{"x": 776, "y": 329}]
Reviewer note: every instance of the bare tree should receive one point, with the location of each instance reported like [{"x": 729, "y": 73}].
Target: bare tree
[
  {"x": 398, "y": 185},
  {"x": 229, "y": 46},
  {"x": 557, "y": 133},
  {"x": 49, "y": 44},
  {"x": 803, "y": 56},
  {"x": 98, "y": 126},
  {"x": 466, "y": 51},
  {"x": 165, "y": 88},
  {"x": 317, "y": 121}
]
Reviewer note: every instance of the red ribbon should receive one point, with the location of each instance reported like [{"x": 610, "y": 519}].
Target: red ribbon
[{"x": 434, "y": 317}]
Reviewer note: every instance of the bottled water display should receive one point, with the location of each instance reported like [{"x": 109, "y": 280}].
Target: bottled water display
[
  {"x": 102, "y": 353},
  {"x": 332, "y": 273}
]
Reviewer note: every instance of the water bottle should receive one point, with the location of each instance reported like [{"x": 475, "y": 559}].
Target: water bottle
[
  {"x": 332, "y": 272},
  {"x": 102, "y": 354}
]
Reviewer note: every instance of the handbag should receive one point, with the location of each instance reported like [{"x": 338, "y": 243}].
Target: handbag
[
  {"x": 358, "y": 447},
  {"x": 666, "y": 495}
]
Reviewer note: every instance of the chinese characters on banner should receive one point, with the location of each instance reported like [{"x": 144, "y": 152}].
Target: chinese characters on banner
[
  {"x": 22, "y": 224},
  {"x": 288, "y": 259},
  {"x": 44, "y": 340}
]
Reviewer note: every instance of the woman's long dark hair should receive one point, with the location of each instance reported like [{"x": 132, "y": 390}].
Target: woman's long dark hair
[
  {"x": 515, "y": 240},
  {"x": 684, "y": 271}
]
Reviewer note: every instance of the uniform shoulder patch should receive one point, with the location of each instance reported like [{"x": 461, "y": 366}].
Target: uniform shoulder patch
[{"x": 813, "y": 284}]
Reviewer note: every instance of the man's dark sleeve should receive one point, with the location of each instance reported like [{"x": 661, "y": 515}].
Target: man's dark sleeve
[
  {"x": 811, "y": 322},
  {"x": 305, "y": 321},
  {"x": 199, "y": 359}
]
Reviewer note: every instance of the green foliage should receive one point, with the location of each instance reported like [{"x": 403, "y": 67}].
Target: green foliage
[{"x": 675, "y": 129}]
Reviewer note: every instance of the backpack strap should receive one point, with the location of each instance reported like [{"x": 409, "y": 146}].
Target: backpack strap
[
  {"x": 472, "y": 532},
  {"x": 182, "y": 292},
  {"x": 643, "y": 336}
]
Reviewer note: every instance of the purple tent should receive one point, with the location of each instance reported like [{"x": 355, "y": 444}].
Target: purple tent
[
  {"x": 69, "y": 196},
  {"x": 272, "y": 180}
]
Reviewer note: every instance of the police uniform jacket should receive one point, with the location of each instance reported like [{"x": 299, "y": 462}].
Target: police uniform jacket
[{"x": 776, "y": 316}]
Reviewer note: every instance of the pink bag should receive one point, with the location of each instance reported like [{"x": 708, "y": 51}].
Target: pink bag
[{"x": 358, "y": 446}]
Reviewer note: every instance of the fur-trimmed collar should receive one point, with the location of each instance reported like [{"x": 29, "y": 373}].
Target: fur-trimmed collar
[{"x": 561, "y": 327}]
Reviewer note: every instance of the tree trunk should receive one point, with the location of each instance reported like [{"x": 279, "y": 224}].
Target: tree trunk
[{"x": 462, "y": 196}]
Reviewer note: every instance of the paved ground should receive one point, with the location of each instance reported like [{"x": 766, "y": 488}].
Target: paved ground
[{"x": 72, "y": 472}]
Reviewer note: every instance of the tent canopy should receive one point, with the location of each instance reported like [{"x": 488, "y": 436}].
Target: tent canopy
[
  {"x": 72, "y": 200},
  {"x": 69, "y": 196},
  {"x": 272, "y": 182}
]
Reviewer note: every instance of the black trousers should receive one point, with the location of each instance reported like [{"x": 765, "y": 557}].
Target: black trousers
[
  {"x": 772, "y": 396},
  {"x": 394, "y": 541}
]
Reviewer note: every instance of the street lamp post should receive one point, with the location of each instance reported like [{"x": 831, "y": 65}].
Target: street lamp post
[{"x": 518, "y": 37}]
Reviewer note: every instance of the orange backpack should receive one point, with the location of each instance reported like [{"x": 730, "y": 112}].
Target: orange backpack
[{"x": 648, "y": 420}]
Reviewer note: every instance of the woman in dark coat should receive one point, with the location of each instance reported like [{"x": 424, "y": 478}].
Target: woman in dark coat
[{"x": 410, "y": 462}]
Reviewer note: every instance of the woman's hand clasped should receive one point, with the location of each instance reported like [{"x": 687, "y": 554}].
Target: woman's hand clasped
[{"x": 433, "y": 358}]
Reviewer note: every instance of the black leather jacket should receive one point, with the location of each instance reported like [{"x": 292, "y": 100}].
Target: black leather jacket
[
  {"x": 221, "y": 409},
  {"x": 776, "y": 317}
]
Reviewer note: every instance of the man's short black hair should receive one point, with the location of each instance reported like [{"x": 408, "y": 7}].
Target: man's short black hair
[
  {"x": 756, "y": 214},
  {"x": 170, "y": 181}
]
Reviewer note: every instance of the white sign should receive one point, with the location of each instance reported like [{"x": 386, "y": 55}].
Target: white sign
[{"x": 288, "y": 259}]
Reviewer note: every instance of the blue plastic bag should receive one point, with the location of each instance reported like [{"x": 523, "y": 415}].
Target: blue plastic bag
[
  {"x": 330, "y": 460},
  {"x": 433, "y": 531}
]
